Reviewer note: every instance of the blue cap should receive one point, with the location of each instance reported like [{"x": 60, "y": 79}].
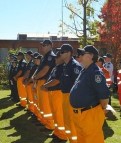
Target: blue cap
[
  {"x": 47, "y": 42},
  {"x": 107, "y": 55},
  {"x": 38, "y": 57},
  {"x": 29, "y": 52},
  {"x": 91, "y": 49},
  {"x": 66, "y": 47},
  {"x": 35, "y": 54}
]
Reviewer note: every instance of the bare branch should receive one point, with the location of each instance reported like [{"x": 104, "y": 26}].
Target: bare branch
[
  {"x": 75, "y": 27},
  {"x": 66, "y": 5},
  {"x": 74, "y": 30}
]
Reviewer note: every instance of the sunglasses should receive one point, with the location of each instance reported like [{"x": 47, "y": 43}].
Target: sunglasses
[
  {"x": 62, "y": 52},
  {"x": 44, "y": 45}
]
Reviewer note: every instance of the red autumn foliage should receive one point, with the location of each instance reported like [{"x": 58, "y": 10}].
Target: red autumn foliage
[{"x": 110, "y": 27}]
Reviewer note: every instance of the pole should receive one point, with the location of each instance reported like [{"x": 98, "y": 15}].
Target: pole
[{"x": 62, "y": 18}]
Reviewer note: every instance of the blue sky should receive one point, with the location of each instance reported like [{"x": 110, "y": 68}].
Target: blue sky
[{"x": 32, "y": 16}]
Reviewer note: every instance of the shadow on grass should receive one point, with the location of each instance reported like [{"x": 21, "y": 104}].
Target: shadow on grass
[
  {"x": 24, "y": 129},
  {"x": 27, "y": 131},
  {"x": 5, "y": 102},
  {"x": 108, "y": 132},
  {"x": 9, "y": 114},
  {"x": 114, "y": 95},
  {"x": 111, "y": 116}
]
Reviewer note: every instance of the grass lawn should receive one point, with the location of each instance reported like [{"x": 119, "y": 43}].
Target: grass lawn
[{"x": 16, "y": 125}]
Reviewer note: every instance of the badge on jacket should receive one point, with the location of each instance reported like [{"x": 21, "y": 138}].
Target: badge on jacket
[{"x": 98, "y": 78}]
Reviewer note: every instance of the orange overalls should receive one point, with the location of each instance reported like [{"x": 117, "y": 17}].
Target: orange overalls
[
  {"x": 44, "y": 106},
  {"x": 91, "y": 133},
  {"x": 30, "y": 97},
  {"x": 68, "y": 118},
  {"x": 22, "y": 92},
  {"x": 55, "y": 98}
]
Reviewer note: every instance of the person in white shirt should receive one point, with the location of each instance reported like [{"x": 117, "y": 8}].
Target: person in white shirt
[{"x": 108, "y": 65}]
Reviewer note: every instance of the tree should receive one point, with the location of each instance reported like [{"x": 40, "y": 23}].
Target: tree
[
  {"x": 84, "y": 25},
  {"x": 110, "y": 27}
]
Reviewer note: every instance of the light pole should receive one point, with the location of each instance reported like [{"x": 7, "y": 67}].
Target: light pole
[{"x": 62, "y": 16}]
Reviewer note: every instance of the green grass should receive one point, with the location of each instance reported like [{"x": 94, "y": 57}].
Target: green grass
[{"x": 16, "y": 125}]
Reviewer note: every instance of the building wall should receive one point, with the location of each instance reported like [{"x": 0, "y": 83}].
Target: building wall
[
  {"x": 3, "y": 54},
  {"x": 25, "y": 45}
]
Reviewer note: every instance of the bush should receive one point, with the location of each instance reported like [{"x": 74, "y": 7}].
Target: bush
[{"x": 4, "y": 83}]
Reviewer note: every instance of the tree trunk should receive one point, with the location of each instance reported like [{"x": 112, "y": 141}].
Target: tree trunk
[{"x": 84, "y": 26}]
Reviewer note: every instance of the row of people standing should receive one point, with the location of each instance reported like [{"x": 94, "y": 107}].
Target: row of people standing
[{"x": 64, "y": 95}]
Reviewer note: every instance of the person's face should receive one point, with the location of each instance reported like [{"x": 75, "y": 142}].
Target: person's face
[
  {"x": 107, "y": 59},
  {"x": 87, "y": 58},
  {"x": 65, "y": 55},
  {"x": 37, "y": 61},
  {"x": 45, "y": 48},
  {"x": 28, "y": 57}
]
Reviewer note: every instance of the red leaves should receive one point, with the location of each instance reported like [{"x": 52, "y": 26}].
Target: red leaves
[{"x": 110, "y": 27}]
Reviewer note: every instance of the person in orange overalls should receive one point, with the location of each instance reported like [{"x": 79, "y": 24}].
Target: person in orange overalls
[
  {"x": 55, "y": 97},
  {"x": 30, "y": 64},
  {"x": 19, "y": 78},
  {"x": 71, "y": 69},
  {"x": 89, "y": 97},
  {"x": 40, "y": 77},
  {"x": 106, "y": 73},
  {"x": 32, "y": 87},
  {"x": 119, "y": 86}
]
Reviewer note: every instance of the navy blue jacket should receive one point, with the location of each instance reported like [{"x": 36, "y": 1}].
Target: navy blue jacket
[
  {"x": 47, "y": 60},
  {"x": 22, "y": 66},
  {"x": 69, "y": 75},
  {"x": 55, "y": 74},
  {"x": 89, "y": 88}
]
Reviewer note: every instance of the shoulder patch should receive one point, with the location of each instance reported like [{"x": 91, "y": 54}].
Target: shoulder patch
[
  {"x": 76, "y": 71},
  {"x": 49, "y": 58},
  {"x": 98, "y": 78}
]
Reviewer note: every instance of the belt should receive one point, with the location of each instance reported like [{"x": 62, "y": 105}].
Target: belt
[{"x": 84, "y": 109}]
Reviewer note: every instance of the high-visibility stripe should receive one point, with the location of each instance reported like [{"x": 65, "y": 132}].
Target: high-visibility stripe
[
  {"x": 31, "y": 102},
  {"x": 109, "y": 79},
  {"x": 47, "y": 115},
  {"x": 35, "y": 104},
  {"x": 74, "y": 138},
  {"x": 23, "y": 99},
  {"x": 55, "y": 125},
  {"x": 61, "y": 128},
  {"x": 42, "y": 112},
  {"x": 68, "y": 131}
]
